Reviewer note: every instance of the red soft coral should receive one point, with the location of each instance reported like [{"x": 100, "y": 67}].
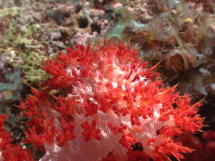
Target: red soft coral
[
  {"x": 107, "y": 100},
  {"x": 10, "y": 151},
  {"x": 203, "y": 145}
]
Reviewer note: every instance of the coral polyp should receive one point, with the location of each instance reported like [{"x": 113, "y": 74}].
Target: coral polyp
[{"x": 103, "y": 103}]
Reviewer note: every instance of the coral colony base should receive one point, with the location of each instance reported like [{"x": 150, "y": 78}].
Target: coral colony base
[{"x": 103, "y": 103}]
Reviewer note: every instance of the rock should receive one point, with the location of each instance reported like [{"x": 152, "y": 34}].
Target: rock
[
  {"x": 55, "y": 36},
  {"x": 56, "y": 15}
]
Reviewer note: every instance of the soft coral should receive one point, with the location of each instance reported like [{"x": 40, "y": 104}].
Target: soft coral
[
  {"x": 106, "y": 101},
  {"x": 11, "y": 151}
]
